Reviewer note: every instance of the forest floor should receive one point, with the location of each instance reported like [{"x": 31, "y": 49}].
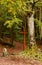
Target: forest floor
[{"x": 12, "y": 60}]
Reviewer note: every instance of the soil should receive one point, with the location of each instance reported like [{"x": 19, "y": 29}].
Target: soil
[{"x": 12, "y": 60}]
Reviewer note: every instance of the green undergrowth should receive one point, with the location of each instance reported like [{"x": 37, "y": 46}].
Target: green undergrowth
[{"x": 34, "y": 53}]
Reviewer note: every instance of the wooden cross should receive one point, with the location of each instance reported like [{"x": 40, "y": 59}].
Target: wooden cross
[{"x": 24, "y": 32}]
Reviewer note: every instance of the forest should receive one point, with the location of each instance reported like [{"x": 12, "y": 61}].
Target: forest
[{"x": 21, "y": 32}]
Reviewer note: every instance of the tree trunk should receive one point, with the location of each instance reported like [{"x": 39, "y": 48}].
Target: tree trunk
[
  {"x": 12, "y": 36},
  {"x": 30, "y": 21},
  {"x": 40, "y": 21}
]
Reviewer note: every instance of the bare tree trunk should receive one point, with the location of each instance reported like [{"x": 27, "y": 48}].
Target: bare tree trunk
[
  {"x": 12, "y": 36},
  {"x": 30, "y": 21},
  {"x": 40, "y": 21}
]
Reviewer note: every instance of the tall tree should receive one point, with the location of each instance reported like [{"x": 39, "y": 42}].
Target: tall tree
[
  {"x": 18, "y": 8},
  {"x": 30, "y": 21},
  {"x": 40, "y": 18}
]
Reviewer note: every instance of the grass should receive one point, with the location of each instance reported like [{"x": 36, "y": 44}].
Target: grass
[{"x": 34, "y": 53}]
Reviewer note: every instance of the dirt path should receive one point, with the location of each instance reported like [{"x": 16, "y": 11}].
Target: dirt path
[{"x": 11, "y": 60}]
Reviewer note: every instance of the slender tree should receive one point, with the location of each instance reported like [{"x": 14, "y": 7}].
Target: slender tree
[{"x": 30, "y": 21}]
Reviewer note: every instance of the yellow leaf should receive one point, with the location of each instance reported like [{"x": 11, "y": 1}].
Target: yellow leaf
[
  {"x": 10, "y": 10},
  {"x": 10, "y": 1}
]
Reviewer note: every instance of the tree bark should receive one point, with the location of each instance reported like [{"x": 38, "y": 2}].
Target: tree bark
[
  {"x": 40, "y": 21},
  {"x": 30, "y": 21}
]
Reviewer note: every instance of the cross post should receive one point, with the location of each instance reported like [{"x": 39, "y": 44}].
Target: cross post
[{"x": 24, "y": 39}]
